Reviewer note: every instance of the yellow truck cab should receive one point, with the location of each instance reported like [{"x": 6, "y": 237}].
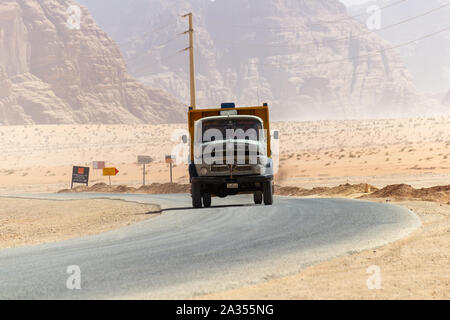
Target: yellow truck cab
[{"x": 230, "y": 153}]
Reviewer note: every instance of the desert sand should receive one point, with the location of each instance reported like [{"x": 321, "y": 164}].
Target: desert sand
[
  {"x": 312, "y": 154},
  {"x": 412, "y": 268},
  {"x": 377, "y": 160},
  {"x": 30, "y": 221}
]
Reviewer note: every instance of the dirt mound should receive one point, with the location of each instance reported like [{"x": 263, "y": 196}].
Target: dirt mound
[
  {"x": 394, "y": 192},
  {"x": 155, "y": 188},
  {"x": 397, "y": 190},
  {"x": 99, "y": 187},
  {"x": 124, "y": 189},
  {"x": 75, "y": 190},
  {"x": 349, "y": 189},
  {"x": 341, "y": 190},
  {"x": 407, "y": 192},
  {"x": 291, "y": 191},
  {"x": 166, "y": 188}
]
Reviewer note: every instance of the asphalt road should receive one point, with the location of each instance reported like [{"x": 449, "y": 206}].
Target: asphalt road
[{"x": 186, "y": 252}]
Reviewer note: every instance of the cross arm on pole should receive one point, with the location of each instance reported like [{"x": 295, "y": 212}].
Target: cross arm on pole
[{"x": 191, "y": 57}]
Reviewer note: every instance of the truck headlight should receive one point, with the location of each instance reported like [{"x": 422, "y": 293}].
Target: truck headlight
[{"x": 204, "y": 171}]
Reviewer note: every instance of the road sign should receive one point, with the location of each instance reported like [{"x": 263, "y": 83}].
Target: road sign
[
  {"x": 170, "y": 159},
  {"x": 98, "y": 165},
  {"x": 144, "y": 159},
  {"x": 80, "y": 175},
  {"x": 108, "y": 172}
]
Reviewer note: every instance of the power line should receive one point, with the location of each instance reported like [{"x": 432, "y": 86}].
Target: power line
[
  {"x": 154, "y": 48},
  {"x": 160, "y": 28},
  {"x": 154, "y": 30},
  {"x": 164, "y": 44},
  {"x": 316, "y": 23},
  {"x": 363, "y": 55},
  {"x": 347, "y": 37}
]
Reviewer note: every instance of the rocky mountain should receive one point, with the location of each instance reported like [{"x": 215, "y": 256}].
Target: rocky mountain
[
  {"x": 308, "y": 59},
  {"x": 53, "y": 70},
  {"x": 427, "y": 60},
  {"x": 446, "y": 100}
]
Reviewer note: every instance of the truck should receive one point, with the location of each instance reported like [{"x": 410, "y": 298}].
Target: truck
[{"x": 230, "y": 153}]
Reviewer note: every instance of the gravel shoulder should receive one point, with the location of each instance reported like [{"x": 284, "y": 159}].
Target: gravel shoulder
[
  {"x": 413, "y": 268},
  {"x": 26, "y": 222}
]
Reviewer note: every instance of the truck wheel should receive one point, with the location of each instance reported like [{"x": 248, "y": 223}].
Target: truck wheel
[
  {"x": 196, "y": 195},
  {"x": 267, "y": 191},
  {"x": 192, "y": 172},
  {"x": 258, "y": 197},
  {"x": 207, "y": 200}
]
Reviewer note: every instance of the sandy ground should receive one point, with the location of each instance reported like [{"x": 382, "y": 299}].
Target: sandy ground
[
  {"x": 413, "y": 268},
  {"x": 312, "y": 154},
  {"x": 29, "y": 221}
]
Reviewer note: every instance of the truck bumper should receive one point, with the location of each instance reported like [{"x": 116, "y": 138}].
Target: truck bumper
[
  {"x": 235, "y": 179},
  {"x": 226, "y": 186}
]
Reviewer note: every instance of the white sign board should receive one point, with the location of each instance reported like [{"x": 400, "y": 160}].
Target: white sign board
[
  {"x": 144, "y": 159},
  {"x": 98, "y": 165}
]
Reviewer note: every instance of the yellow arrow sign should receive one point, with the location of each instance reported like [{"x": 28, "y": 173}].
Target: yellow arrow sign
[{"x": 110, "y": 172}]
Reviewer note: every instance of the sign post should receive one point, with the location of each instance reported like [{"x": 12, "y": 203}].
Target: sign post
[
  {"x": 170, "y": 159},
  {"x": 143, "y": 175},
  {"x": 110, "y": 172},
  {"x": 144, "y": 160},
  {"x": 80, "y": 175},
  {"x": 98, "y": 165}
]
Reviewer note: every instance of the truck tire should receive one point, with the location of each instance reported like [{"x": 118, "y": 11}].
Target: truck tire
[
  {"x": 258, "y": 197},
  {"x": 268, "y": 193},
  {"x": 196, "y": 195},
  {"x": 192, "y": 172},
  {"x": 207, "y": 200}
]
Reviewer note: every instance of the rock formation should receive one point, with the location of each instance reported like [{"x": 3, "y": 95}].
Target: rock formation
[
  {"x": 427, "y": 60},
  {"x": 53, "y": 72},
  {"x": 446, "y": 100},
  {"x": 308, "y": 59}
]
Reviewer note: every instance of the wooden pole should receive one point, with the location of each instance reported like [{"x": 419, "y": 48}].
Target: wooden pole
[
  {"x": 191, "y": 59},
  {"x": 171, "y": 181},
  {"x": 143, "y": 176}
]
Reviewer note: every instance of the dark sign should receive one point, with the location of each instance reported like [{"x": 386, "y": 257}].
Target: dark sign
[
  {"x": 170, "y": 159},
  {"x": 144, "y": 160},
  {"x": 80, "y": 175}
]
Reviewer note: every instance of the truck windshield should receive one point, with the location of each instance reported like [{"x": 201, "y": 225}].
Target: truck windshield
[{"x": 246, "y": 129}]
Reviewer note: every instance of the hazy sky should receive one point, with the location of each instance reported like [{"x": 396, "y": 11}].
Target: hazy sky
[{"x": 352, "y": 2}]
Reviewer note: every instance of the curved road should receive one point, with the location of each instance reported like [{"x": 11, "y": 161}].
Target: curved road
[{"x": 186, "y": 252}]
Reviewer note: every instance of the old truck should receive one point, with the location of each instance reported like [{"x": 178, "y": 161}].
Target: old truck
[{"x": 230, "y": 153}]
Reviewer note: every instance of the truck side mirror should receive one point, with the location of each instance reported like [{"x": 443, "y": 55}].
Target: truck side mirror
[
  {"x": 276, "y": 135},
  {"x": 184, "y": 138}
]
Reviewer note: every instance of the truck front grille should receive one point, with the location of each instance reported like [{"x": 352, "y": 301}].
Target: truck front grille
[
  {"x": 236, "y": 159},
  {"x": 219, "y": 168},
  {"x": 244, "y": 153},
  {"x": 225, "y": 168}
]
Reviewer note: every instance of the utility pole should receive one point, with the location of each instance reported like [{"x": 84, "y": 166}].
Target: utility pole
[
  {"x": 143, "y": 176},
  {"x": 191, "y": 58}
]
